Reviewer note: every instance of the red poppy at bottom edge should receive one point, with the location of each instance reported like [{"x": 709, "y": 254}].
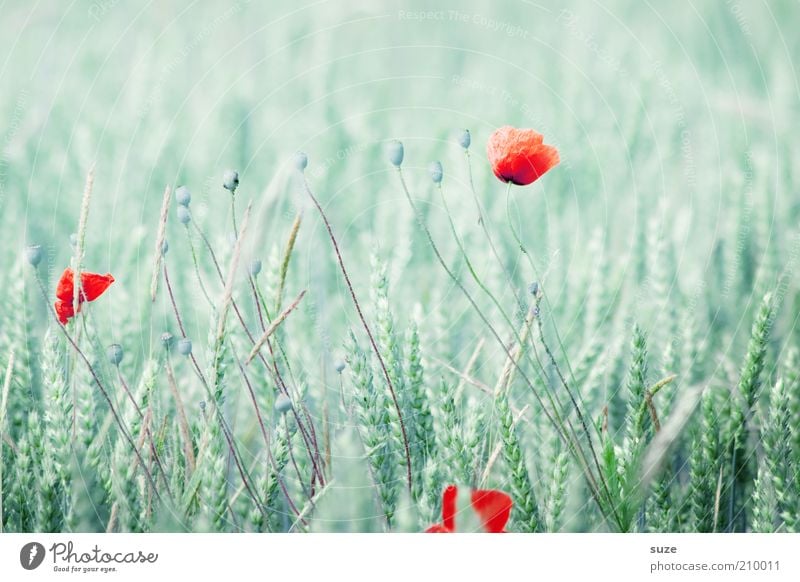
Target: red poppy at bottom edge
[{"x": 493, "y": 507}]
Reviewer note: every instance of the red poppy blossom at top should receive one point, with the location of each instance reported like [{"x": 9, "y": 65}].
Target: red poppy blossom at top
[
  {"x": 492, "y": 507},
  {"x": 92, "y": 287},
  {"x": 520, "y": 156}
]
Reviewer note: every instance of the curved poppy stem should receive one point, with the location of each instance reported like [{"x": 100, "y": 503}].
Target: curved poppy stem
[
  {"x": 274, "y": 371},
  {"x": 103, "y": 391},
  {"x": 483, "y": 286},
  {"x": 197, "y": 269},
  {"x": 367, "y": 329},
  {"x": 482, "y": 222},
  {"x": 554, "y": 417},
  {"x": 532, "y": 264},
  {"x": 549, "y": 353},
  {"x": 233, "y": 214},
  {"x": 148, "y": 431}
]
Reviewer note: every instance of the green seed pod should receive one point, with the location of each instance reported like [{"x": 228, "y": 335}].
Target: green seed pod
[
  {"x": 115, "y": 354},
  {"x": 185, "y": 346},
  {"x": 300, "y": 161},
  {"x": 283, "y": 404},
  {"x": 183, "y": 196},
  {"x": 34, "y": 255},
  {"x": 464, "y": 139},
  {"x": 394, "y": 151},
  {"x": 184, "y": 216},
  {"x": 230, "y": 180},
  {"x": 436, "y": 172}
]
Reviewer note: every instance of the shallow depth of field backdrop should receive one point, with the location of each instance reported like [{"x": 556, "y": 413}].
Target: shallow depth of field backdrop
[{"x": 665, "y": 248}]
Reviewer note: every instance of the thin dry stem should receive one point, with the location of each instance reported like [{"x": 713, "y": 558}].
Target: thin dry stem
[{"x": 273, "y": 326}]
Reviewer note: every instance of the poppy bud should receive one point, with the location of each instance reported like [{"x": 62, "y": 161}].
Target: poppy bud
[
  {"x": 34, "y": 255},
  {"x": 464, "y": 139},
  {"x": 394, "y": 151},
  {"x": 340, "y": 366},
  {"x": 185, "y": 346},
  {"x": 230, "y": 180},
  {"x": 166, "y": 339},
  {"x": 283, "y": 404},
  {"x": 203, "y": 405},
  {"x": 164, "y": 247},
  {"x": 115, "y": 354},
  {"x": 300, "y": 161},
  {"x": 436, "y": 172},
  {"x": 255, "y": 267},
  {"x": 73, "y": 240},
  {"x": 184, "y": 216},
  {"x": 534, "y": 288},
  {"x": 183, "y": 196}
]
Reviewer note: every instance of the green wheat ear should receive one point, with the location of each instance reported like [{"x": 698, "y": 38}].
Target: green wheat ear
[{"x": 748, "y": 392}]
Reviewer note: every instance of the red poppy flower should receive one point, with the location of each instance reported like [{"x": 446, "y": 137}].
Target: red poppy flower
[
  {"x": 492, "y": 507},
  {"x": 520, "y": 156},
  {"x": 92, "y": 287}
]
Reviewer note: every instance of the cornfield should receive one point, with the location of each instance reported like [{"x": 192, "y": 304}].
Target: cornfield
[{"x": 323, "y": 307}]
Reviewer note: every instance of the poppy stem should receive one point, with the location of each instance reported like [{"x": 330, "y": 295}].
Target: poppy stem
[
  {"x": 197, "y": 269},
  {"x": 226, "y": 431},
  {"x": 103, "y": 391},
  {"x": 267, "y": 441},
  {"x": 541, "y": 294},
  {"x": 274, "y": 371},
  {"x": 532, "y": 264},
  {"x": 485, "y": 228},
  {"x": 228, "y": 436},
  {"x": 554, "y": 417},
  {"x": 172, "y": 300},
  {"x": 233, "y": 214},
  {"x": 146, "y": 427},
  {"x": 367, "y": 329}
]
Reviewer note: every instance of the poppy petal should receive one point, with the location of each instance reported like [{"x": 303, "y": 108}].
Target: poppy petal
[
  {"x": 95, "y": 285},
  {"x": 65, "y": 290},
  {"x": 449, "y": 507},
  {"x": 438, "y": 528},
  {"x": 520, "y": 156},
  {"x": 64, "y": 311},
  {"x": 493, "y": 507}
]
